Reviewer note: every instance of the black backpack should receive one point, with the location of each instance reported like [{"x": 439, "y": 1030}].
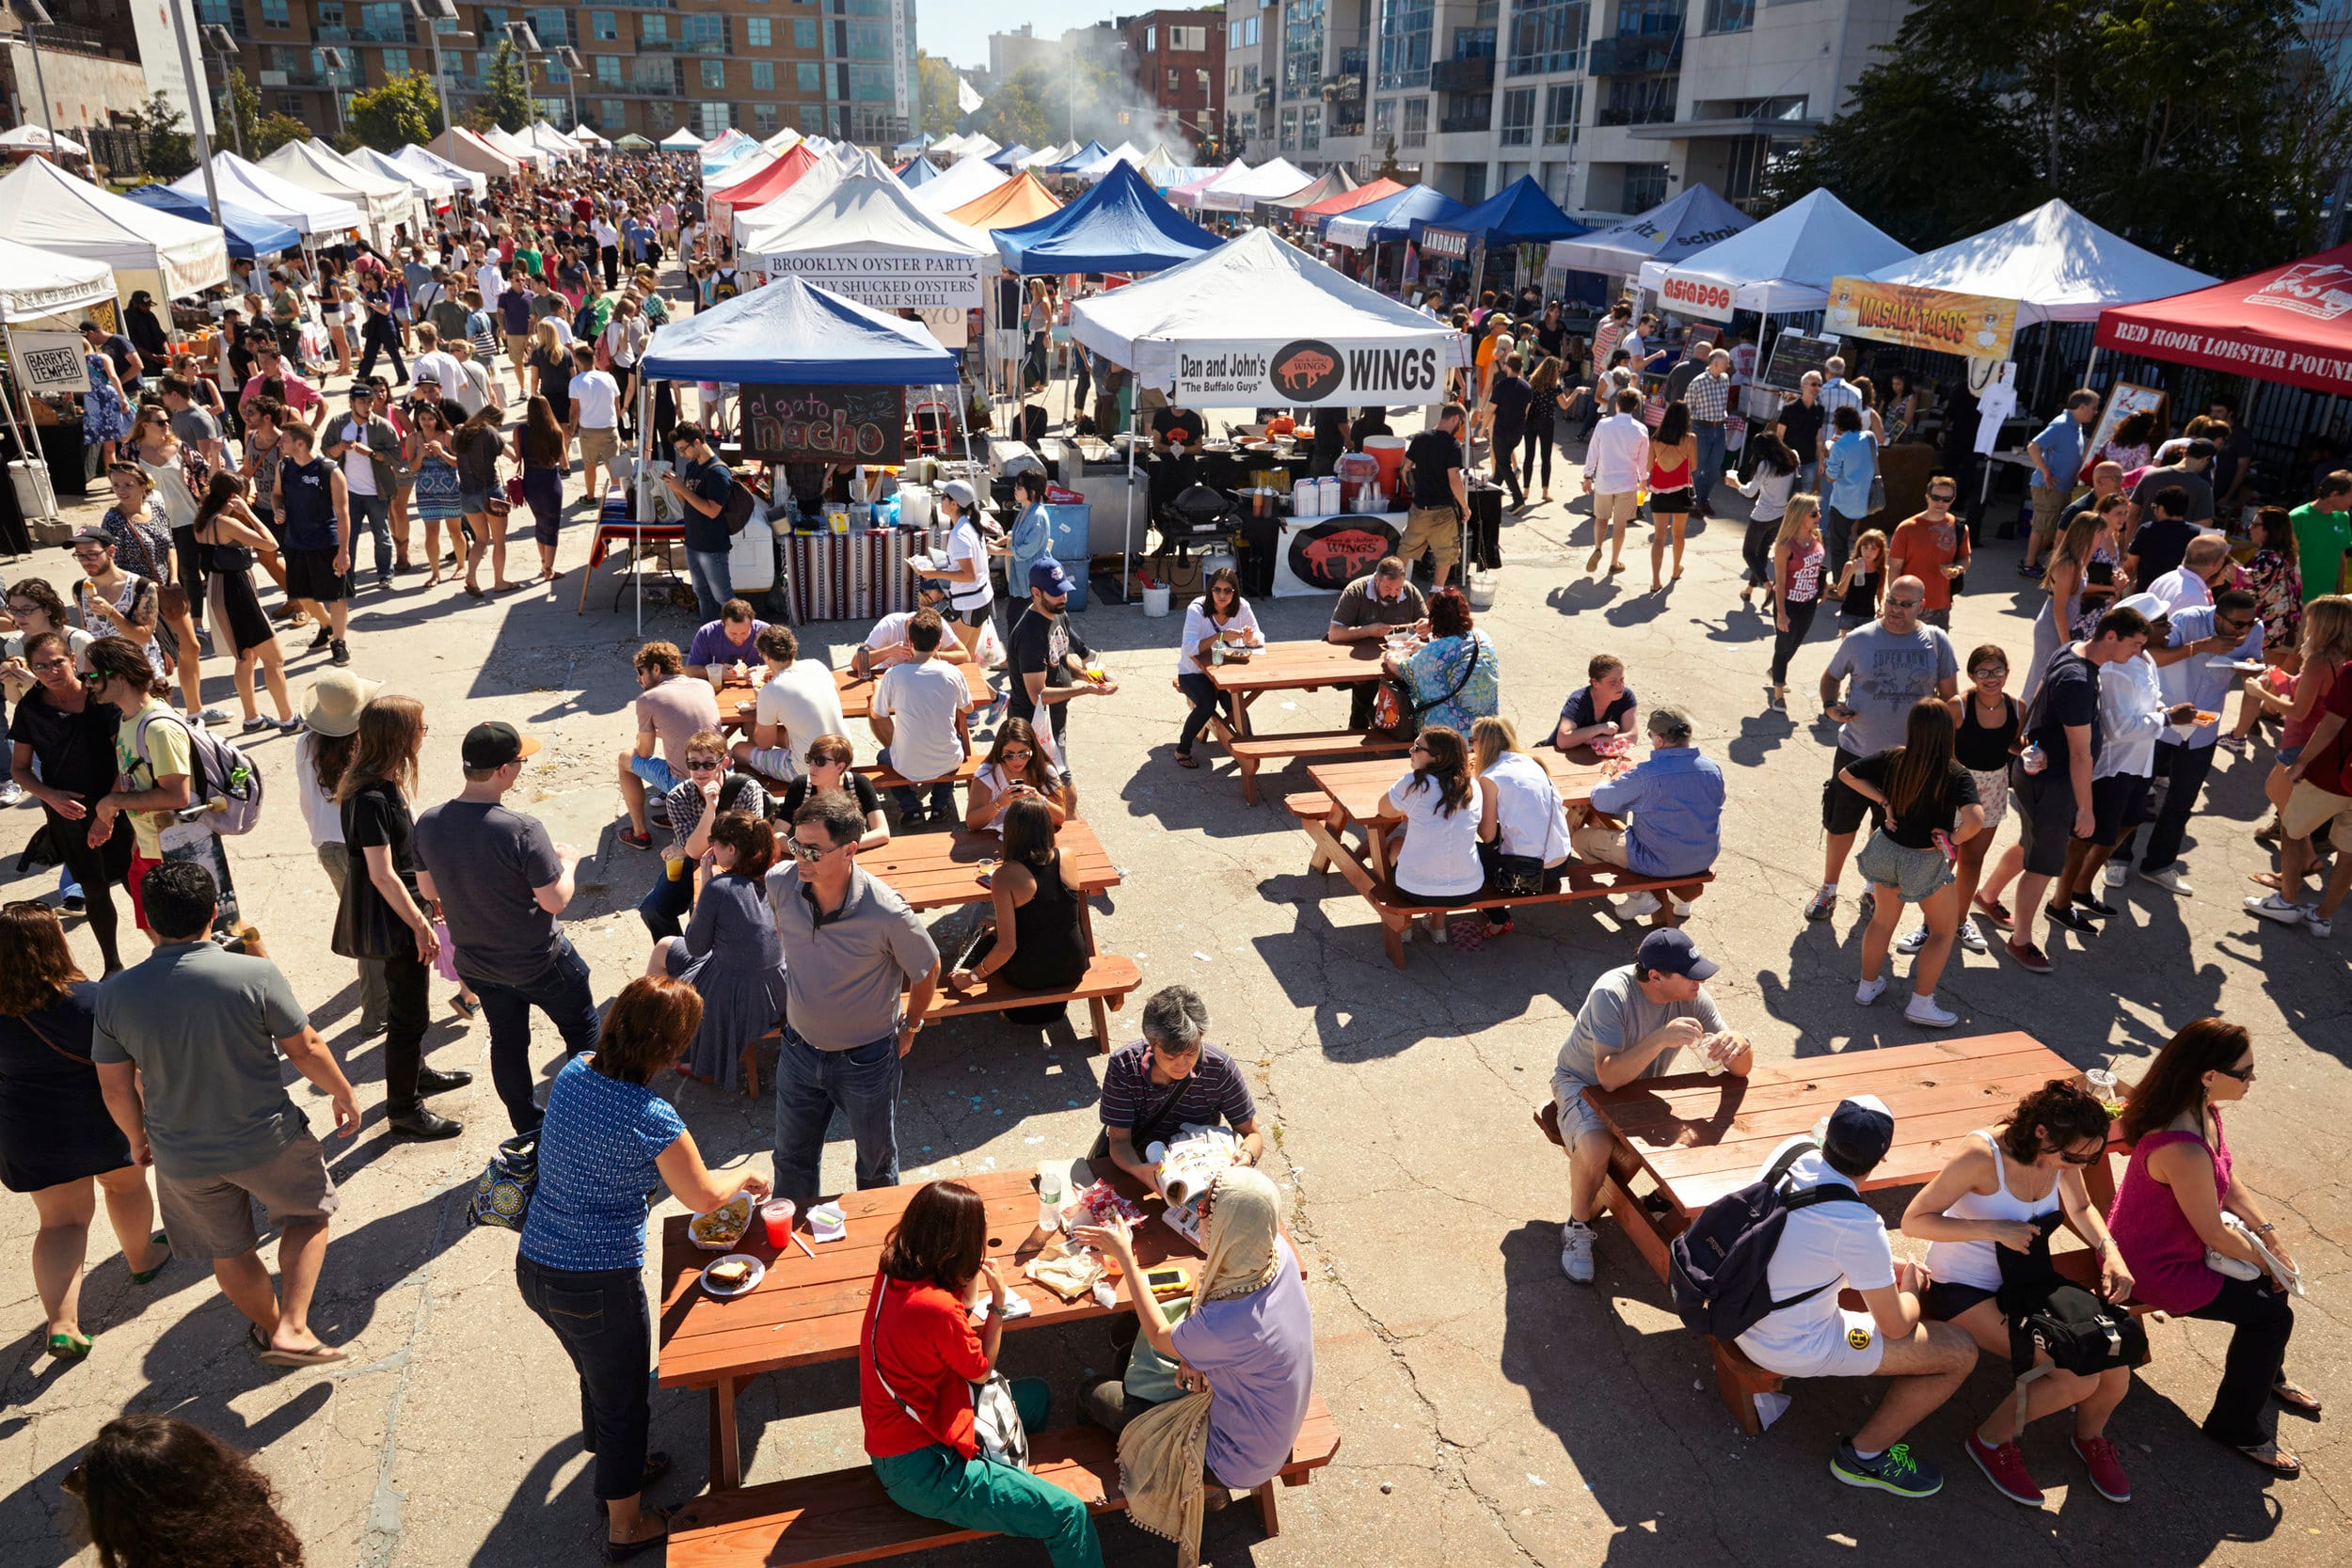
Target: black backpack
[
  {"x": 1715, "y": 1270},
  {"x": 2049, "y": 1312}
]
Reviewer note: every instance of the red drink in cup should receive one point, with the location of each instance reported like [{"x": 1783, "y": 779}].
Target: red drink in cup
[{"x": 777, "y": 1214}]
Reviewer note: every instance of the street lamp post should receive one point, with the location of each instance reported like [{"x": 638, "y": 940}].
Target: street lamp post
[
  {"x": 332, "y": 61},
  {"x": 34, "y": 15},
  {"x": 432, "y": 14},
  {"x": 572, "y": 65},
  {"x": 224, "y": 45},
  {"x": 526, "y": 43},
  {"x": 199, "y": 105}
]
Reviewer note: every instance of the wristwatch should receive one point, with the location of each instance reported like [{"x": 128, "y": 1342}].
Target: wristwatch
[{"x": 2264, "y": 1228}]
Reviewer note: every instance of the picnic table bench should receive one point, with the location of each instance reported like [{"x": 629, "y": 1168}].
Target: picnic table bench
[
  {"x": 1291, "y": 667},
  {"x": 1350, "y": 793},
  {"x": 738, "y": 703},
  {"x": 1691, "y": 1138}
]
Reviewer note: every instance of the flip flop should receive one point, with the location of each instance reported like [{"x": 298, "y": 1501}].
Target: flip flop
[
  {"x": 69, "y": 1347},
  {"x": 2272, "y": 1457},
  {"x": 1185, "y": 760},
  {"x": 140, "y": 1277},
  {"x": 325, "y": 1356},
  {"x": 2300, "y": 1401}
]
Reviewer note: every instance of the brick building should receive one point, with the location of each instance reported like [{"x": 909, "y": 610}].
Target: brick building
[{"x": 1178, "y": 59}]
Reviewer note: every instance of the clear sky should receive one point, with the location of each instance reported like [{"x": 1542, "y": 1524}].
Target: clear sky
[{"x": 957, "y": 32}]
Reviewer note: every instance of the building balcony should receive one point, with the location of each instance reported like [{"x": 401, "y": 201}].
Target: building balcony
[
  {"x": 1457, "y": 123},
  {"x": 1265, "y": 96},
  {"x": 1474, "y": 75},
  {"x": 683, "y": 46},
  {"x": 1344, "y": 125},
  {"x": 1633, "y": 54},
  {"x": 79, "y": 40},
  {"x": 387, "y": 34},
  {"x": 306, "y": 77}
]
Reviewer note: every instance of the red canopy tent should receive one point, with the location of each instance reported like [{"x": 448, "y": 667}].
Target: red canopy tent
[
  {"x": 767, "y": 184},
  {"x": 1361, "y": 196},
  {"x": 2291, "y": 324}
]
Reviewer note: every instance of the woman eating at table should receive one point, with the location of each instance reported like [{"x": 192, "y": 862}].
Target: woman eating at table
[
  {"x": 828, "y": 757},
  {"x": 1993, "y": 1195},
  {"x": 1243, "y": 1363},
  {"x": 1530, "y": 841},
  {"x": 1035, "y": 943},
  {"x": 1454, "y": 677},
  {"x": 1219, "y": 615},
  {"x": 2180, "y": 1210},
  {"x": 1017, "y": 768},
  {"x": 917, "y": 1359},
  {"x": 1438, "y": 816},
  {"x": 608, "y": 1140},
  {"x": 730, "y": 953}
]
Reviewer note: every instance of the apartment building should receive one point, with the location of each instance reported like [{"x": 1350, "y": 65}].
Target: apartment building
[
  {"x": 1611, "y": 104},
  {"x": 1178, "y": 59},
  {"x": 838, "y": 68}
]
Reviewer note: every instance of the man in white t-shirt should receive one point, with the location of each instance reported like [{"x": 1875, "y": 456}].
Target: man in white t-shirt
[
  {"x": 434, "y": 363},
  {"x": 1841, "y": 1241},
  {"x": 798, "y": 703},
  {"x": 595, "y": 421},
  {"x": 922, "y": 716},
  {"x": 1616, "y": 466},
  {"x": 887, "y": 644},
  {"x": 490, "y": 275},
  {"x": 965, "y": 569}
]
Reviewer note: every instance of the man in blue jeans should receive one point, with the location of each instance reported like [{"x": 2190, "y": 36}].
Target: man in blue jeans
[
  {"x": 499, "y": 883},
  {"x": 703, "y": 484},
  {"x": 854, "y": 953}
]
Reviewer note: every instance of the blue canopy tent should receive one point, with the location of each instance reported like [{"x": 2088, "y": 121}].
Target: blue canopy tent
[
  {"x": 1009, "y": 157},
  {"x": 1400, "y": 216},
  {"x": 1122, "y": 225},
  {"x": 1519, "y": 213},
  {"x": 1091, "y": 154},
  {"x": 251, "y": 235},
  {"x": 919, "y": 171},
  {"x": 787, "y": 333}
]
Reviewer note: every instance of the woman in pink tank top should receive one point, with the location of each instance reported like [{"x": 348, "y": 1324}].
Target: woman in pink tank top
[{"x": 2168, "y": 1212}]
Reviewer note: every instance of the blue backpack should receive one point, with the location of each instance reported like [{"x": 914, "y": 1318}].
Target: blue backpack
[{"x": 1715, "y": 1270}]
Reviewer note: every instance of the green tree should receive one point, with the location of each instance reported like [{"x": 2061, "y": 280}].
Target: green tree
[
  {"x": 936, "y": 80},
  {"x": 507, "y": 89},
  {"x": 1046, "y": 101},
  {"x": 2208, "y": 131},
  {"x": 243, "y": 111},
  {"x": 273, "y": 131},
  {"x": 170, "y": 151},
  {"x": 405, "y": 109}
]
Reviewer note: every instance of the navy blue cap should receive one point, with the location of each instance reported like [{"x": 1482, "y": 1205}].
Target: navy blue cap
[
  {"x": 1861, "y": 1130},
  {"x": 1672, "y": 952},
  {"x": 1046, "y": 573}
]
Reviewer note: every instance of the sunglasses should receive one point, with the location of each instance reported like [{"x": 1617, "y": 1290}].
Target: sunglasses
[
  {"x": 701, "y": 765},
  {"x": 1904, "y": 604},
  {"x": 809, "y": 854},
  {"x": 46, "y": 665},
  {"x": 1011, "y": 755},
  {"x": 1943, "y": 497},
  {"x": 1988, "y": 672},
  {"x": 2242, "y": 1074},
  {"x": 2073, "y": 1159}
]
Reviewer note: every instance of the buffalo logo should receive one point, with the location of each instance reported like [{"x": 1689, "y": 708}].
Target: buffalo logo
[
  {"x": 1330, "y": 555},
  {"x": 1858, "y": 1337},
  {"x": 1308, "y": 371}
]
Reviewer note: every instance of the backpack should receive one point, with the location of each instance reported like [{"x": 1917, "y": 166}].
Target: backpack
[
  {"x": 2081, "y": 1332},
  {"x": 222, "y": 775},
  {"x": 1715, "y": 1270}
]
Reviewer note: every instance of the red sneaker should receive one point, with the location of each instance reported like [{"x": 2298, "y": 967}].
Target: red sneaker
[
  {"x": 2004, "y": 1467},
  {"x": 2029, "y": 957},
  {"x": 2106, "y": 1470}
]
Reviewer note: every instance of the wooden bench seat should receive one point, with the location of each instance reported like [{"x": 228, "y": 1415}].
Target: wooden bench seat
[
  {"x": 884, "y": 778},
  {"x": 1251, "y": 752},
  {"x": 843, "y": 1516},
  {"x": 1584, "y": 880},
  {"x": 1108, "y": 977}
]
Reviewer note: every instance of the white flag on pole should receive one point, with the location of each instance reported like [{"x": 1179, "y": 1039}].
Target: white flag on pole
[{"x": 966, "y": 100}]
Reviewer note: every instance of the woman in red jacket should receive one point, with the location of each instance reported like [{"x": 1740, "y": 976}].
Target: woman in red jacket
[{"x": 917, "y": 1362}]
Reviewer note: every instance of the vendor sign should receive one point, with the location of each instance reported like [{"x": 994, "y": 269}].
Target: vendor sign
[
  {"x": 1695, "y": 294},
  {"x": 1976, "y": 326},
  {"x": 825, "y": 424},
  {"x": 1323, "y": 555},
  {"x": 51, "y": 362},
  {"x": 1307, "y": 373},
  {"x": 1444, "y": 242},
  {"x": 886, "y": 281}
]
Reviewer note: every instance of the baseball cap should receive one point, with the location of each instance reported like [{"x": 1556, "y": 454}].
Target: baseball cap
[
  {"x": 1672, "y": 952},
  {"x": 1860, "y": 1130},
  {"x": 959, "y": 491},
  {"x": 94, "y": 536},
  {"x": 495, "y": 745},
  {"x": 1046, "y": 573}
]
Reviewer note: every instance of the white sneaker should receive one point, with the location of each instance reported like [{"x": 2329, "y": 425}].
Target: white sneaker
[
  {"x": 1923, "y": 1010},
  {"x": 1970, "y": 937},
  {"x": 2170, "y": 880},
  {"x": 1576, "y": 1252},
  {"x": 2271, "y": 906},
  {"x": 1637, "y": 906},
  {"x": 1681, "y": 907},
  {"x": 2316, "y": 924},
  {"x": 1870, "y": 991},
  {"x": 2115, "y": 873},
  {"x": 1911, "y": 940},
  {"x": 12, "y": 794}
]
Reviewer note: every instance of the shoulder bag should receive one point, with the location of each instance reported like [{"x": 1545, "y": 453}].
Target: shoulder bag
[
  {"x": 995, "y": 1418},
  {"x": 2049, "y": 1314},
  {"x": 501, "y": 1194},
  {"x": 1393, "y": 710}
]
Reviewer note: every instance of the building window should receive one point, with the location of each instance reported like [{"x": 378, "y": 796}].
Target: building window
[
  {"x": 1564, "y": 106},
  {"x": 1383, "y": 124},
  {"x": 1302, "y": 48},
  {"x": 290, "y": 103},
  {"x": 1546, "y": 35},
  {"x": 804, "y": 33},
  {"x": 1188, "y": 41},
  {"x": 1250, "y": 78},
  {"x": 1641, "y": 101},
  {"x": 1644, "y": 188},
  {"x": 764, "y": 115},
  {"x": 1519, "y": 117},
  {"x": 810, "y": 76},
  {"x": 1473, "y": 184},
  {"x": 758, "y": 32},
  {"x": 1310, "y": 128},
  {"x": 1743, "y": 170},
  {"x": 1289, "y": 134},
  {"x": 608, "y": 69},
  {"x": 714, "y": 74},
  {"x": 763, "y": 75},
  {"x": 330, "y": 13},
  {"x": 651, "y": 29},
  {"x": 604, "y": 26},
  {"x": 273, "y": 14},
  {"x": 1415, "y": 122},
  {"x": 1650, "y": 18},
  {"x": 655, "y": 73},
  {"x": 707, "y": 34},
  {"x": 1730, "y": 16},
  {"x": 1555, "y": 182},
  {"x": 1405, "y": 30},
  {"x": 1151, "y": 40},
  {"x": 613, "y": 112},
  {"x": 1200, "y": 83},
  {"x": 813, "y": 119},
  {"x": 396, "y": 63},
  {"x": 714, "y": 117},
  {"x": 1172, "y": 78}
]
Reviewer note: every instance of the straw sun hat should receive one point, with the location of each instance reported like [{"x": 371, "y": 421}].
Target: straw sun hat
[{"x": 332, "y": 706}]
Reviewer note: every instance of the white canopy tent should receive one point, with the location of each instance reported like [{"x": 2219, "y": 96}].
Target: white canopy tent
[
  {"x": 865, "y": 239},
  {"x": 1266, "y": 182},
  {"x": 307, "y": 212},
  {"x": 586, "y": 136},
  {"x": 1125, "y": 153},
  {"x": 857, "y": 160},
  {"x": 783, "y": 141},
  {"x": 1782, "y": 265},
  {"x": 978, "y": 145},
  {"x": 1052, "y": 155},
  {"x": 381, "y": 204},
  {"x": 1190, "y": 193},
  {"x": 519, "y": 148},
  {"x": 737, "y": 173},
  {"x": 1258, "y": 322},
  {"x": 425, "y": 160},
  {"x": 471, "y": 150},
  {"x": 170, "y": 256},
  {"x": 43, "y": 288},
  {"x": 681, "y": 140},
  {"x": 554, "y": 143},
  {"x": 434, "y": 189},
  {"x": 1683, "y": 224},
  {"x": 968, "y": 180},
  {"x": 2058, "y": 264}
]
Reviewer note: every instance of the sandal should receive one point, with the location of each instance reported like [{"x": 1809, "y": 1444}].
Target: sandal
[
  {"x": 2301, "y": 1401},
  {"x": 69, "y": 1347},
  {"x": 140, "y": 1277},
  {"x": 657, "y": 1465},
  {"x": 2272, "y": 1457},
  {"x": 459, "y": 1005},
  {"x": 1185, "y": 759},
  {"x": 621, "y": 1551}
]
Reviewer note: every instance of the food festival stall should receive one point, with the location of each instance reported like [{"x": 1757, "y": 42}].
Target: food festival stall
[
  {"x": 731, "y": 205},
  {"x": 44, "y": 297},
  {"x": 308, "y": 212},
  {"x": 1781, "y": 266},
  {"x": 383, "y": 206},
  {"x": 252, "y": 236},
  {"x": 1276, "y": 179},
  {"x": 1683, "y": 224},
  {"x": 469, "y": 151},
  {"x": 425, "y": 160},
  {"x": 168, "y": 257},
  {"x": 2290, "y": 323},
  {"x": 1017, "y": 201},
  {"x": 681, "y": 140},
  {"x": 1519, "y": 215},
  {"x": 434, "y": 189}
]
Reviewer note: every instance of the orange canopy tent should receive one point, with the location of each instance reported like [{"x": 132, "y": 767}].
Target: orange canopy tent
[
  {"x": 1017, "y": 201},
  {"x": 1331, "y": 206}
]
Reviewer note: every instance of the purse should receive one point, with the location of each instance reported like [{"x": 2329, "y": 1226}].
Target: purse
[
  {"x": 996, "y": 1417},
  {"x": 501, "y": 1194},
  {"x": 1397, "y": 699},
  {"x": 1518, "y": 875},
  {"x": 514, "y": 490},
  {"x": 1150, "y": 1376},
  {"x": 2048, "y": 1313}
]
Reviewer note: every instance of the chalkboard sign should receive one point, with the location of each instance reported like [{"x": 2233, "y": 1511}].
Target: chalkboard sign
[
  {"x": 1793, "y": 355},
  {"x": 825, "y": 424}
]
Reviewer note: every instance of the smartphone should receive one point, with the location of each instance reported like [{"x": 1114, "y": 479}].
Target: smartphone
[{"x": 1165, "y": 1282}]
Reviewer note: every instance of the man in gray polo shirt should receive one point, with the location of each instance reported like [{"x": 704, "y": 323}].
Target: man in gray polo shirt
[{"x": 851, "y": 947}]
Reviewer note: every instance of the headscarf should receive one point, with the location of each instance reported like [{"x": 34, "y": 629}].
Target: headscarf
[{"x": 1164, "y": 1452}]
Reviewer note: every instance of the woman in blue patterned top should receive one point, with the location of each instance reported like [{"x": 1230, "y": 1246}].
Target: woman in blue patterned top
[
  {"x": 1454, "y": 678},
  {"x": 606, "y": 1140}
]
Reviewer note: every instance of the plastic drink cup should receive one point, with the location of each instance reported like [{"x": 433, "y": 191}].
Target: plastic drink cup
[
  {"x": 2034, "y": 758},
  {"x": 776, "y": 1214}
]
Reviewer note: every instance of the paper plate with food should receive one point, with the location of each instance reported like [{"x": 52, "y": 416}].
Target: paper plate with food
[
  {"x": 721, "y": 1229},
  {"x": 733, "y": 1274}
]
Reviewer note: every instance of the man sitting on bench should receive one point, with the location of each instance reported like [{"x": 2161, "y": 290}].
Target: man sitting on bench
[
  {"x": 1674, "y": 801},
  {"x": 1827, "y": 1245},
  {"x": 887, "y": 644},
  {"x": 1168, "y": 1079},
  {"x": 1634, "y": 1022},
  {"x": 1369, "y": 609}
]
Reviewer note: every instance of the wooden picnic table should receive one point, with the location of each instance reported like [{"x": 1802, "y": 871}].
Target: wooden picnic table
[
  {"x": 1291, "y": 667},
  {"x": 1356, "y": 788},
  {"x": 808, "y": 1310},
  {"x": 1699, "y": 1137},
  {"x": 737, "y": 703}
]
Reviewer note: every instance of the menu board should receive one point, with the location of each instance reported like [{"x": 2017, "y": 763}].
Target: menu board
[
  {"x": 1793, "y": 355},
  {"x": 825, "y": 424}
]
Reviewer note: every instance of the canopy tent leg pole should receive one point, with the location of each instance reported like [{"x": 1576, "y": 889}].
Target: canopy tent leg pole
[
  {"x": 2091, "y": 364},
  {"x": 638, "y": 506},
  {"x": 17, "y": 432},
  {"x": 1127, "y": 535}
]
